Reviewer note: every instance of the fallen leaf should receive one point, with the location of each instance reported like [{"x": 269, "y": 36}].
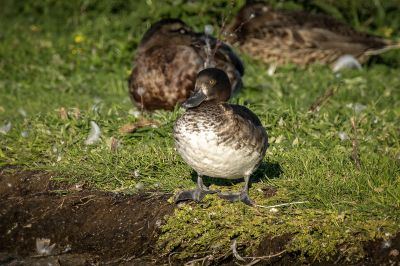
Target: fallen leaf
[{"x": 142, "y": 123}]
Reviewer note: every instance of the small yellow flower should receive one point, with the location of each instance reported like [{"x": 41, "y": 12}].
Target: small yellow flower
[
  {"x": 387, "y": 31},
  {"x": 79, "y": 38},
  {"x": 34, "y": 28}
]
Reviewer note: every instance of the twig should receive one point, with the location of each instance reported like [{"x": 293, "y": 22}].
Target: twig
[
  {"x": 258, "y": 259},
  {"x": 203, "y": 259},
  {"x": 355, "y": 153},
  {"x": 174, "y": 253},
  {"x": 122, "y": 259},
  {"x": 322, "y": 99},
  {"x": 281, "y": 205},
  {"x": 235, "y": 252}
]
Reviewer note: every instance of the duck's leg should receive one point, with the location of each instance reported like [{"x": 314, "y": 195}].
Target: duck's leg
[
  {"x": 196, "y": 195},
  {"x": 242, "y": 196}
]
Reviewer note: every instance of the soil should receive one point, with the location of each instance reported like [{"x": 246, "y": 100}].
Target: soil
[
  {"x": 90, "y": 227},
  {"x": 87, "y": 226}
]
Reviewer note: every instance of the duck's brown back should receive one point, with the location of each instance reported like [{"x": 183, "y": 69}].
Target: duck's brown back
[
  {"x": 301, "y": 38},
  {"x": 164, "y": 75}
]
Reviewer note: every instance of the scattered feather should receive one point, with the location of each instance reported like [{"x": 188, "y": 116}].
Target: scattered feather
[
  {"x": 139, "y": 186},
  {"x": 24, "y": 134},
  {"x": 54, "y": 149},
  {"x": 134, "y": 113},
  {"x": 343, "y": 136},
  {"x": 4, "y": 129},
  {"x": 273, "y": 210},
  {"x": 94, "y": 134},
  {"x": 344, "y": 62},
  {"x": 281, "y": 122},
  {"x": 208, "y": 29},
  {"x": 357, "y": 107},
  {"x": 271, "y": 70},
  {"x": 386, "y": 244},
  {"x": 295, "y": 142},
  {"x": 43, "y": 246},
  {"x": 136, "y": 174},
  {"x": 22, "y": 112},
  {"x": 142, "y": 123},
  {"x": 67, "y": 249}
]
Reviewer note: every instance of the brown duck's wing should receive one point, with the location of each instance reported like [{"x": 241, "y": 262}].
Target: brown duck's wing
[
  {"x": 310, "y": 31},
  {"x": 246, "y": 125},
  {"x": 164, "y": 76}
]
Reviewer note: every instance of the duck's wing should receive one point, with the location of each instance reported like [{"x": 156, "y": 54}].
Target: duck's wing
[
  {"x": 300, "y": 30},
  {"x": 164, "y": 76},
  {"x": 245, "y": 125}
]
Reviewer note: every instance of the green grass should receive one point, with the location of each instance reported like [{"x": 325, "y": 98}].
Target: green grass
[{"x": 78, "y": 56}]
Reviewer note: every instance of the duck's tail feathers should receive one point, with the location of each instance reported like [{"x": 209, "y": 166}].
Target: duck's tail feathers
[{"x": 383, "y": 50}]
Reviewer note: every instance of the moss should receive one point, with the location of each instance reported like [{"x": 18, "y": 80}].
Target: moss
[{"x": 318, "y": 234}]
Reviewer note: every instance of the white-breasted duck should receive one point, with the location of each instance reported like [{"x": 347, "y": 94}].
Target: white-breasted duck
[
  {"x": 167, "y": 61},
  {"x": 218, "y": 139}
]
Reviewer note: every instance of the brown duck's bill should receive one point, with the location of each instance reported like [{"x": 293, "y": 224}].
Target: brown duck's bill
[{"x": 195, "y": 100}]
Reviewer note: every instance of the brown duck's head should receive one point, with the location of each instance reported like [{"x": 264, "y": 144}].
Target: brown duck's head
[
  {"x": 170, "y": 30},
  {"x": 250, "y": 11},
  {"x": 212, "y": 84}
]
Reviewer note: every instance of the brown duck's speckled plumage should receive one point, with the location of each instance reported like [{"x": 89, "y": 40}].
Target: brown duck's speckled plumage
[
  {"x": 279, "y": 37},
  {"x": 168, "y": 59}
]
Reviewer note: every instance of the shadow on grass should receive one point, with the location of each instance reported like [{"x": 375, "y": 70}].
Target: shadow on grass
[{"x": 265, "y": 170}]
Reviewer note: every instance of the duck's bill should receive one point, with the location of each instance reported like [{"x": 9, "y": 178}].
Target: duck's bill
[{"x": 195, "y": 100}]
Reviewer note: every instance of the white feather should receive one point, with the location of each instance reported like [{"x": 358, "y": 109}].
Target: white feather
[
  {"x": 346, "y": 61},
  {"x": 94, "y": 134},
  {"x": 4, "y": 129}
]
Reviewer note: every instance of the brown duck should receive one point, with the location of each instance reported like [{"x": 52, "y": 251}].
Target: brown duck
[
  {"x": 167, "y": 62},
  {"x": 279, "y": 37}
]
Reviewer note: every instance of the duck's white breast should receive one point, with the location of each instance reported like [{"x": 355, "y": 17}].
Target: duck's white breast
[{"x": 207, "y": 155}]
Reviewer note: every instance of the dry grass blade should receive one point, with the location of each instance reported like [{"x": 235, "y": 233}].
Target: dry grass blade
[
  {"x": 142, "y": 123},
  {"x": 322, "y": 99}
]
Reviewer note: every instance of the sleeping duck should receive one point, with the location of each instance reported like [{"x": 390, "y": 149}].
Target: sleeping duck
[
  {"x": 279, "y": 37},
  {"x": 218, "y": 139},
  {"x": 168, "y": 59}
]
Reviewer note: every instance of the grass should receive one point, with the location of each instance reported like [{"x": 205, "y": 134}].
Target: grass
[{"x": 76, "y": 57}]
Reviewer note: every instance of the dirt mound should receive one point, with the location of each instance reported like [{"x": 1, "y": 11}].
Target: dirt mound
[
  {"x": 91, "y": 225},
  {"x": 101, "y": 228}
]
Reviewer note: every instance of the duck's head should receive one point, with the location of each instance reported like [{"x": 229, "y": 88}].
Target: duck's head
[
  {"x": 246, "y": 18},
  {"x": 212, "y": 84},
  {"x": 169, "y": 30}
]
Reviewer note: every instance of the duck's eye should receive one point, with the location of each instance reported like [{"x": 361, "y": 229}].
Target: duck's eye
[{"x": 211, "y": 82}]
